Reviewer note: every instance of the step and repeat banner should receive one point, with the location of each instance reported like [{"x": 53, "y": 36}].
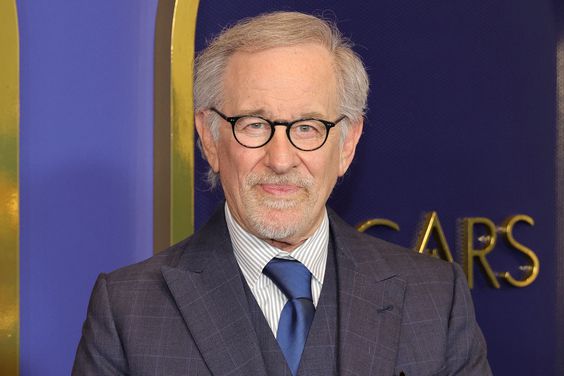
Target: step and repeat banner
[{"x": 458, "y": 159}]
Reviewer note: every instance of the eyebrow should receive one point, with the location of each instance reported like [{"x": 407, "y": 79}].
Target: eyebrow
[{"x": 266, "y": 114}]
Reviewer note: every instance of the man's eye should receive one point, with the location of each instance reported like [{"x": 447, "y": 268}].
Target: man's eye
[
  {"x": 255, "y": 126},
  {"x": 305, "y": 128},
  {"x": 252, "y": 127}
]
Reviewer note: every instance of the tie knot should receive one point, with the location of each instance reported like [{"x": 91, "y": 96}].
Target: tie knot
[{"x": 291, "y": 277}]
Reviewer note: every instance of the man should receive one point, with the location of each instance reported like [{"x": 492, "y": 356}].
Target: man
[{"x": 275, "y": 283}]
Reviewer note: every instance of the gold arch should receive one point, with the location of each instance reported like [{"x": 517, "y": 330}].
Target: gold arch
[
  {"x": 9, "y": 190},
  {"x": 174, "y": 122}
]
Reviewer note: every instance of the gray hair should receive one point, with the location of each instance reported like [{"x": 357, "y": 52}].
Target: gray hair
[{"x": 279, "y": 29}]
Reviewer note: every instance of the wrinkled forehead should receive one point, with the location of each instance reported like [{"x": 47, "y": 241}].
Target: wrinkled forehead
[
  {"x": 288, "y": 77},
  {"x": 287, "y": 61}
]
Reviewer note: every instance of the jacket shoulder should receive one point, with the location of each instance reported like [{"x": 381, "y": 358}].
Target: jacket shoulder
[
  {"x": 149, "y": 268},
  {"x": 409, "y": 261},
  {"x": 406, "y": 263}
]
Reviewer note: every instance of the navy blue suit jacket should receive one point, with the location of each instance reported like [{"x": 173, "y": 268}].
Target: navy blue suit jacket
[{"x": 185, "y": 312}]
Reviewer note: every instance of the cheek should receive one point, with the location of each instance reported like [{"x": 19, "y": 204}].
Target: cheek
[
  {"x": 236, "y": 163},
  {"x": 326, "y": 171}
]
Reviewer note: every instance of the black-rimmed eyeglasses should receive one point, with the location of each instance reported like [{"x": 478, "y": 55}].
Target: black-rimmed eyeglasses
[{"x": 253, "y": 131}]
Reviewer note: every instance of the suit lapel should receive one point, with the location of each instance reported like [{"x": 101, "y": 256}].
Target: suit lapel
[
  {"x": 320, "y": 353},
  {"x": 208, "y": 290},
  {"x": 370, "y": 305}
]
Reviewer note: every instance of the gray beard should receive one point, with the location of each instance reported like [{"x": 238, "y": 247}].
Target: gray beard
[
  {"x": 266, "y": 229},
  {"x": 262, "y": 224}
]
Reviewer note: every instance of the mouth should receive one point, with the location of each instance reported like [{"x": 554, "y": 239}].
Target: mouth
[{"x": 280, "y": 189}]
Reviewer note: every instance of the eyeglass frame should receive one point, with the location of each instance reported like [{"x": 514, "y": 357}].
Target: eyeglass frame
[{"x": 273, "y": 124}]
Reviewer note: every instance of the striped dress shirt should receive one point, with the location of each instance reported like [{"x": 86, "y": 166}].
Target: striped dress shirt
[{"x": 252, "y": 255}]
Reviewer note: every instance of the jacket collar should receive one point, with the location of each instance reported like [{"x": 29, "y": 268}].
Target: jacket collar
[{"x": 207, "y": 287}]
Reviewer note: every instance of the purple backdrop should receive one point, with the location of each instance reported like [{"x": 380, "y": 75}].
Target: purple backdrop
[
  {"x": 86, "y": 162},
  {"x": 462, "y": 122}
]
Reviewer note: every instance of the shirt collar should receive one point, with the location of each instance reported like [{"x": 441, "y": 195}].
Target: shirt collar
[{"x": 253, "y": 254}]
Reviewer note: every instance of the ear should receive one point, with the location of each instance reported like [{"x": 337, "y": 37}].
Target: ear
[
  {"x": 349, "y": 146},
  {"x": 209, "y": 144}
]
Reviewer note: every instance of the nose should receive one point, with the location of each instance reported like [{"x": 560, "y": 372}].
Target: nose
[{"x": 280, "y": 155}]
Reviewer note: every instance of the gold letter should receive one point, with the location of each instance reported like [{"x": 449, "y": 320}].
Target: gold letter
[
  {"x": 531, "y": 270},
  {"x": 469, "y": 252},
  {"x": 377, "y": 222},
  {"x": 432, "y": 225}
]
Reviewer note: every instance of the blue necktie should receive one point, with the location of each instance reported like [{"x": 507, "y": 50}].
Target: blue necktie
[{"x": 294, "y": 280}]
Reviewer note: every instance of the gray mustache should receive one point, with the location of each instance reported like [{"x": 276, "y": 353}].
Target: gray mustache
[{"x": 289, "y": 179}]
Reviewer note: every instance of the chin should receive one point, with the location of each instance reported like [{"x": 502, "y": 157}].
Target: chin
[
  {"x": 279, "y": 204},
  {"x": 274, "y": 231},
  {"x": 280, "y": 218},
  {"x": 283, "y": 224},
  {"x": 278, "y": 223}
]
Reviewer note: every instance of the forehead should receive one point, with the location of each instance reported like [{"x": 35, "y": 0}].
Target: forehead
[{"x": 282, "y": 80}]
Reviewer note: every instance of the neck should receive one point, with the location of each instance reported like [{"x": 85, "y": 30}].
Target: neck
[{"x": 285, "y": 246}]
